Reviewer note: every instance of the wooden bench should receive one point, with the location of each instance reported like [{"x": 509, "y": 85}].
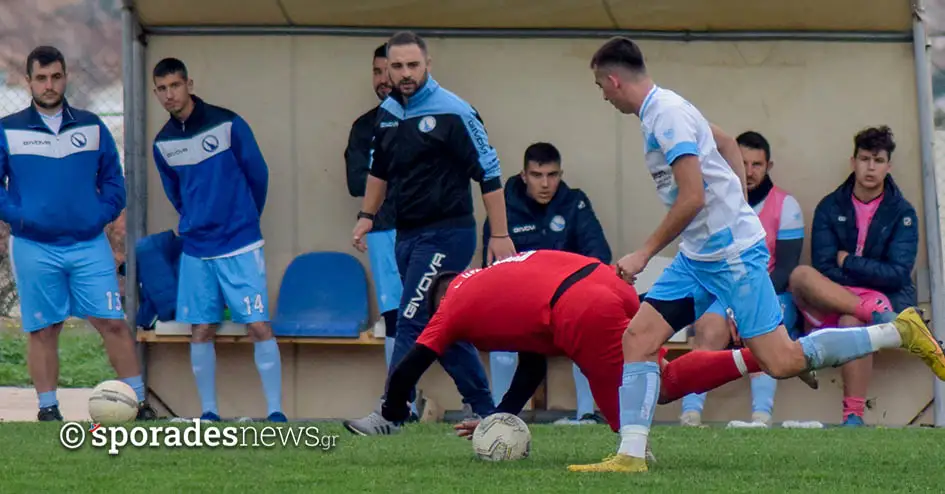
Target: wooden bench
[
  {"x": 147, "y": 336},
  {"x": 365, "y": 339}
]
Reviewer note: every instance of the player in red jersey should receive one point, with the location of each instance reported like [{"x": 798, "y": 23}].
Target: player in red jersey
[{"x": 540, "y": 304}]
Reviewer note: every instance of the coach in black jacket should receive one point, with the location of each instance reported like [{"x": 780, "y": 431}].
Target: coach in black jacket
[{"x": 544, "y": 213}]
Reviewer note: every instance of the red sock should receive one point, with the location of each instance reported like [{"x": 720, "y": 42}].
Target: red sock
[
  {"x": 854, "y": 405},
  {"x": 701, "y": 371}
]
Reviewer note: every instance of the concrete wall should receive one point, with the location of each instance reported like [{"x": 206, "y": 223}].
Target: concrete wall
[{"x": 300, "y": 95}]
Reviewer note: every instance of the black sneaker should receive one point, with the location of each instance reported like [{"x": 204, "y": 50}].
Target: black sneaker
[
  {"x": 145, "y": 412},
  {"x": 49, "y": 414}
]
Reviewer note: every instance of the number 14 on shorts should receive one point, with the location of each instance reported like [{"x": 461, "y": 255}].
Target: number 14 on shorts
[{"x": 254, "y": 303}]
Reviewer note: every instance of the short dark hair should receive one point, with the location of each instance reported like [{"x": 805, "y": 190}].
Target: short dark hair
[
  {"x": 45, "y": 55},
  {"x": 875, "y": 139},
  {"x": 619, "y": 51},
  {"x": 169, "y": 66},
  {"x": 754, "y": 140},
  {"x": 381, "y": 51},
  {"x": 407, "y": 38},
  {"x": 438, "y": 286},
  {"x": 542, "y": 153}
]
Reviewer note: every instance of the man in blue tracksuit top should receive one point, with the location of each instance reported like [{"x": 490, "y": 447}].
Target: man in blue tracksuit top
[
  {"x": 428, "y": 145},
  {"x": 544, "y": 213},
  {"x": 64, "y": 184},
  {"x": 215, "y": 176}
]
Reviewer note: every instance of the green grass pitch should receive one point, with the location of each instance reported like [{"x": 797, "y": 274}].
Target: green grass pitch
[{"x": 429, "y": 457}]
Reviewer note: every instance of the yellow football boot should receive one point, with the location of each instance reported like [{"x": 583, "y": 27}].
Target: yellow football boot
[
  {"x": 614, "y": 463},
  {"x": 919, "y": 340}
]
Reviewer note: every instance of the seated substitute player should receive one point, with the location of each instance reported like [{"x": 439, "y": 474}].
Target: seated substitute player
[
  {"x": 781, "y": 217},
  {"x": 864, "y": 241},
  {"x": 544, "y": 213},
  {"x": 565, "y": 304},
  {"x": 722, "y": 255}
]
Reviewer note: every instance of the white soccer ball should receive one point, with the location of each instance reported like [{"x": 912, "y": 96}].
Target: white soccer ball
[
  {"x": 113, "y": 401},
  {"x": 502, "y": 437}
]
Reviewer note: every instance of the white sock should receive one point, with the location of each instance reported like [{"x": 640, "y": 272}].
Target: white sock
[
  {"x": 633, "y": 440},
  {"x": 884, "y": 336}
]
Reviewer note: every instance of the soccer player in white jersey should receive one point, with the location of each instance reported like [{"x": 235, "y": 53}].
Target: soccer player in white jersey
[{"x": 722, "y": 255}]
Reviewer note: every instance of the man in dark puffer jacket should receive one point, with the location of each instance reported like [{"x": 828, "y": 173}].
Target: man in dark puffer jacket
[{"x": 864, "y": 241}]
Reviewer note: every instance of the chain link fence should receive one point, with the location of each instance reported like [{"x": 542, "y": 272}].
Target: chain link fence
[{"x": 94, "y": 69}]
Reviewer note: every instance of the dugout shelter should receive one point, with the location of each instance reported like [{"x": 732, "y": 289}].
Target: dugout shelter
[{"x": 807, "y": 74}]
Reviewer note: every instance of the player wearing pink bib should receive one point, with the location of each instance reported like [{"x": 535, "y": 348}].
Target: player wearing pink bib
[{"x": 864, "y": 241}]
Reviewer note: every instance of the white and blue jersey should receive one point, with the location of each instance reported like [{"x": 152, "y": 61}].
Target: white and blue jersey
[
  {"x": 672, "y": 127},
  {"x": 215, "y": 176},
  {"x": 64, "y": 184},
  {"x": 722, "y": 258}
]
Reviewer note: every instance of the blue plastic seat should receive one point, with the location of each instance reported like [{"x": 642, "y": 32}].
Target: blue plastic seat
[{"x": 323, "y": 295}]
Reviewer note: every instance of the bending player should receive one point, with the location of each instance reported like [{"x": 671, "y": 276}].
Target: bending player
[
  {"x": 564, "y": 304},
  {"x": 722, "y": 255}
]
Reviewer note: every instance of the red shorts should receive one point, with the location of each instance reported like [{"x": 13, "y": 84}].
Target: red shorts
[
  {"x": 877, "y": 300},
  {"x": 588, "y": 322}
]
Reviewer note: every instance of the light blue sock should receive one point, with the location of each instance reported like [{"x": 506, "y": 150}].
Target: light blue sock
[
  {"x": 502, "y": 365},
  {"x": 638, "y": 396},
  {"x": 269, "y": 365},
  {"x": 48, "y": 399},
  {"x": 582, "y": 388},
  {"x": 388, "y": 350},
  {"x": 763, "y": 388},
  {"x": 693, "y": 402},
  {"x": 203, "y": 360},
  {"x": 835, "y": 346},
  {"x": 136, "y": 384}
]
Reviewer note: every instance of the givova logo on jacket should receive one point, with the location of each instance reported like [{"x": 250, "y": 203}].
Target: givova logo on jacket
[
  {"x": 199, "y": 148},
  {"x": 35, "y": 143}
]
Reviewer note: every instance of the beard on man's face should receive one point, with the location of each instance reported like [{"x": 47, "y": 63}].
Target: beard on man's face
[{"x": 48, "y": 103}]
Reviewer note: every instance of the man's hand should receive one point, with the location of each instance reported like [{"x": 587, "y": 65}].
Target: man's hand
[
  {"x": 466, "y": 428},
  {"x": 361, "y": 228},
  {"x": 499, "y": 248},
  {"x": 632, "y": 264},
  {"x": 842, "y": 256}
]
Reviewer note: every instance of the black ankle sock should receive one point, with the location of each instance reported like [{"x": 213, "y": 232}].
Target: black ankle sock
[{"x": 390, "y": 322}]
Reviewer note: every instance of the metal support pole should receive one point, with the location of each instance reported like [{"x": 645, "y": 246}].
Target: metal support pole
[
  {"x": 129, "y": 31},
  {"x": 138, "y": 223},
  {"x": 133, "y": 79},
  {"x": 933, "y": 238}
]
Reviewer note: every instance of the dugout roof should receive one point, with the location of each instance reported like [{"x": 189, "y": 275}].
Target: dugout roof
[{"x": 660, "y": 15}]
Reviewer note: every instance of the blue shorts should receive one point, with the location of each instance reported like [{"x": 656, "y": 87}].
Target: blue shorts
[
  {"x": 55, "y": 282},
  {"x": 384, "y": 272},
  {"x": 742, "y": 284},
  {"x": 207, "y": 286},
  {"x": 788, "y": 311}
]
